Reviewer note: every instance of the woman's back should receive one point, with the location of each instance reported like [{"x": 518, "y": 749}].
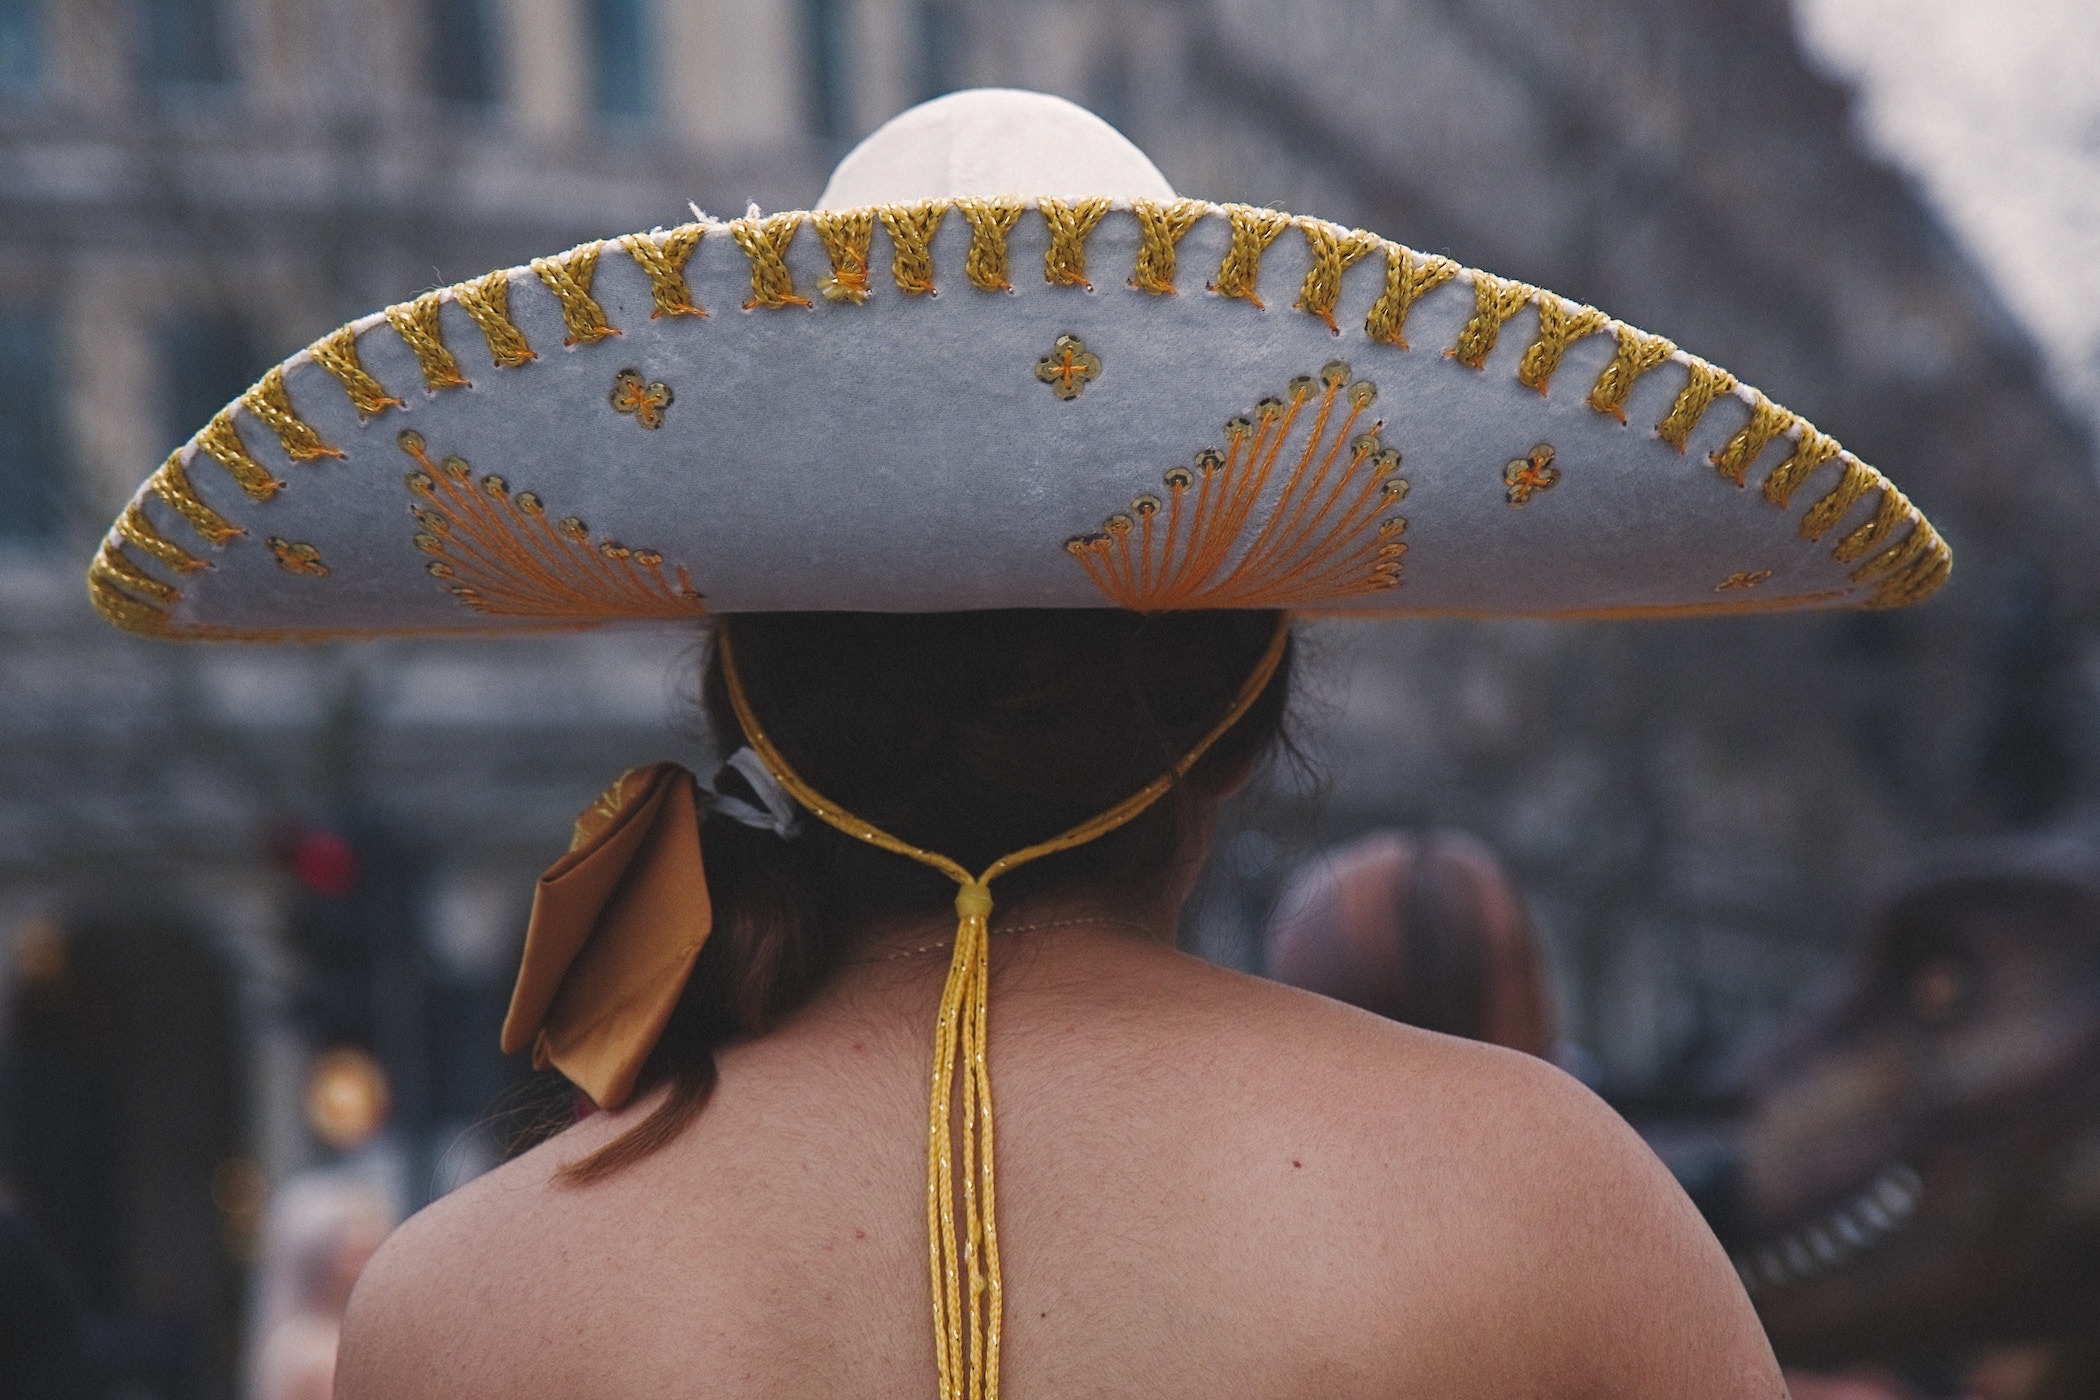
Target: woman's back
[{"x": 1209, "y": 1186}]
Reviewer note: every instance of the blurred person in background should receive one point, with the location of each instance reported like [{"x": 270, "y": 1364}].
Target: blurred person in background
[
  {"x": 321, "y": 1229},
  {"x": 1426, "y": 930}
]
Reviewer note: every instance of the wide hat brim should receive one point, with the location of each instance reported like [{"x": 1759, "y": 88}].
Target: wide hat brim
[{"x": 986, "y": 402}]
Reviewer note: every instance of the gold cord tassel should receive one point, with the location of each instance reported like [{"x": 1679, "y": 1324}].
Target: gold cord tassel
[{"x": 962, "y": 1249}]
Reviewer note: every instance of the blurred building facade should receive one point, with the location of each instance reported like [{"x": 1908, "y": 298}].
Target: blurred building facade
[{"x": 192, "y": 189}]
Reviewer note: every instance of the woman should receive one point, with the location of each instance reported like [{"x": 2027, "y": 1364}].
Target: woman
[{"x": 850, "y": 439}]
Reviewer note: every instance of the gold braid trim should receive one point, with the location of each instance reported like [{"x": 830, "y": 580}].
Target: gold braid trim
[
  {"x": 1911, "y": 570},
  {"x": 221, "y": 441},
  {"x": 336, "y": 352},
  {"x": 569, "y": 277},
  {"x": 487, "y": 300},
  {"x": 963, "y": 1254},
  {"x": 1561, "y": 324},
  {"x": 1767, "y": 421},
  {"x": 663, "y": 257},
  {"x": 1638, "y": 353},
  {"x": 1253, "y": 230},
  {"x": 272, "y": 403},
  {"x": 1334, "y": 251},
  {"x": 1892, "y": 512},
  {"x": 990, "y": 220},
  {"x": 1160, "y": 229},
  {"x": 1811, "y": 450},
  {"x": 172, "y": 484},
  {"x": 112, "y": 565},
  {"x": 135, "y": 529},
  {"x": 418, "y": 324},
  {"x": 1409, "y": 276},
  {"x": 1064, "y": 261},
  {"x": 115, "y": 585},
  {"x": 1703, "y": 384},
  {"x": 911, "y": 228},
  {"x": 1495, "y": 300},
  {"x": 765, "y": 242},
  {"x": 847, "y": 235},
  {"x": 1858, "y": 479}
]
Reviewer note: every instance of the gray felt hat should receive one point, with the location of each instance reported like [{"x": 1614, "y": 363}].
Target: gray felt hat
[{"x": 1001, "y": 365}]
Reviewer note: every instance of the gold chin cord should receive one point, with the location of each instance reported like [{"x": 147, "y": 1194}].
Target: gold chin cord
[{"x": 963, "y": 1255}]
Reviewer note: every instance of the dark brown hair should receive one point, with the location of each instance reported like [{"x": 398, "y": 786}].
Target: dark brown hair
[{"x": 971, "y": 734}]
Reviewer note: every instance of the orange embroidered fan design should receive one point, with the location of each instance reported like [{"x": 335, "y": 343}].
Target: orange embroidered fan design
[
  {"x": 498, "y": 553},
  {"x": 1321, "y": 539}
]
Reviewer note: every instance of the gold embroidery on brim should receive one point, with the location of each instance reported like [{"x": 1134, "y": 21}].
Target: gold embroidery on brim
[
  {"x": 1160, "y": 230},
  {"x": 1749, "y": 578},
  {"x": 1702, "y": 385},
  {"x": 115, "y": 568},
  {"x": 1409, "y": 276},
  {"x": 1253, "y": 230},
  {"x": 487, "y": 301},
  {"x": 270, "y": 402},
  {"x": 1495, "y": 301},
  {"x": 1910, "y": 570},
  {"x": 911, "y": 228},
  {"x": 1334, "y": 251},
  {"x": 1323, "y": 539},
  {"x": 1869, "y": 534},
  {"x": 765, "y": 242},
  {"x": 297, "y": 557},
  {"x": 847, "y": 236},
  {"x": 569, "y": 277},
  {"x": 1853, "y": 485},
  {"x": 662, "y": 257},
  {"x": 115, "y": 585},
  {"x": 1064, "y": 261},
  {"x": 1767, "y": 421},
  {"x": 221, "y": 441},
  {"x": 172, "y": 484},
  {"x": 336, "y": 352},
  {"x": 1811, "y": 450},
  {"x": 1561, "y": 324},
  {"x": 498, "y": 553},
  {"x": 991, "y": 221},
  {"x": 420, "y": 328},
  {"x": 136, "y": 530},
  {"x": 1638, "y": 353}
]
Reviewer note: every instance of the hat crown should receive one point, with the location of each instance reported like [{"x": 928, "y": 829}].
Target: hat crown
[{"x": 985, "y": 142}]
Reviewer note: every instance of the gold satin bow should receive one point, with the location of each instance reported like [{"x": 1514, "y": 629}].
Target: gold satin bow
[{"x": 617, "y": 924}]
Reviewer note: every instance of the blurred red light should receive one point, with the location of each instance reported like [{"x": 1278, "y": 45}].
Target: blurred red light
[{"x": 324, "y": 863}]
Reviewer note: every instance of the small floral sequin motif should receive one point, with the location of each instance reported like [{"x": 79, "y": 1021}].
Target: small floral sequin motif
[
  {"x": 1530, "y": 474},
  {"x": 298, "y": 557},
  {"x": 646, "y": 401},
  {"x": 1068, "y": 368}
]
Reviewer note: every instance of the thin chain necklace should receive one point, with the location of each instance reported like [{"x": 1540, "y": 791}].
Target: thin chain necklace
[{"x": 904, "y": 953}]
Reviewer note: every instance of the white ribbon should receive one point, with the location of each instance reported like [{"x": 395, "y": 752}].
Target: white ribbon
[{"x": 778, "y": 815}]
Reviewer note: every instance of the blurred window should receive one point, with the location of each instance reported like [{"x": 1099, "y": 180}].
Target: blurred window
[
  {"x": 826, "y": 59},
  {"x": 32, "y": 467},
  {"x": 620, "y": 47},
  {"x": 21, "y": 46},
  {"x": 205, "y": 362},
  {"x": 463, "y": 51},
  {"x": 942, "y": 44},
  {"x": 181, "y": 44}
]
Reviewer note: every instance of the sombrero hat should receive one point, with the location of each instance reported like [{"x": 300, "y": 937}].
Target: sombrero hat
[{"x": 1001, "y": 364}]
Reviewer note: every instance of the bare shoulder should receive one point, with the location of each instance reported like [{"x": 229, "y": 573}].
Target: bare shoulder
[
  {"x": 1540, "y": 1216},
  {"x": 456, "y": 1298}
]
